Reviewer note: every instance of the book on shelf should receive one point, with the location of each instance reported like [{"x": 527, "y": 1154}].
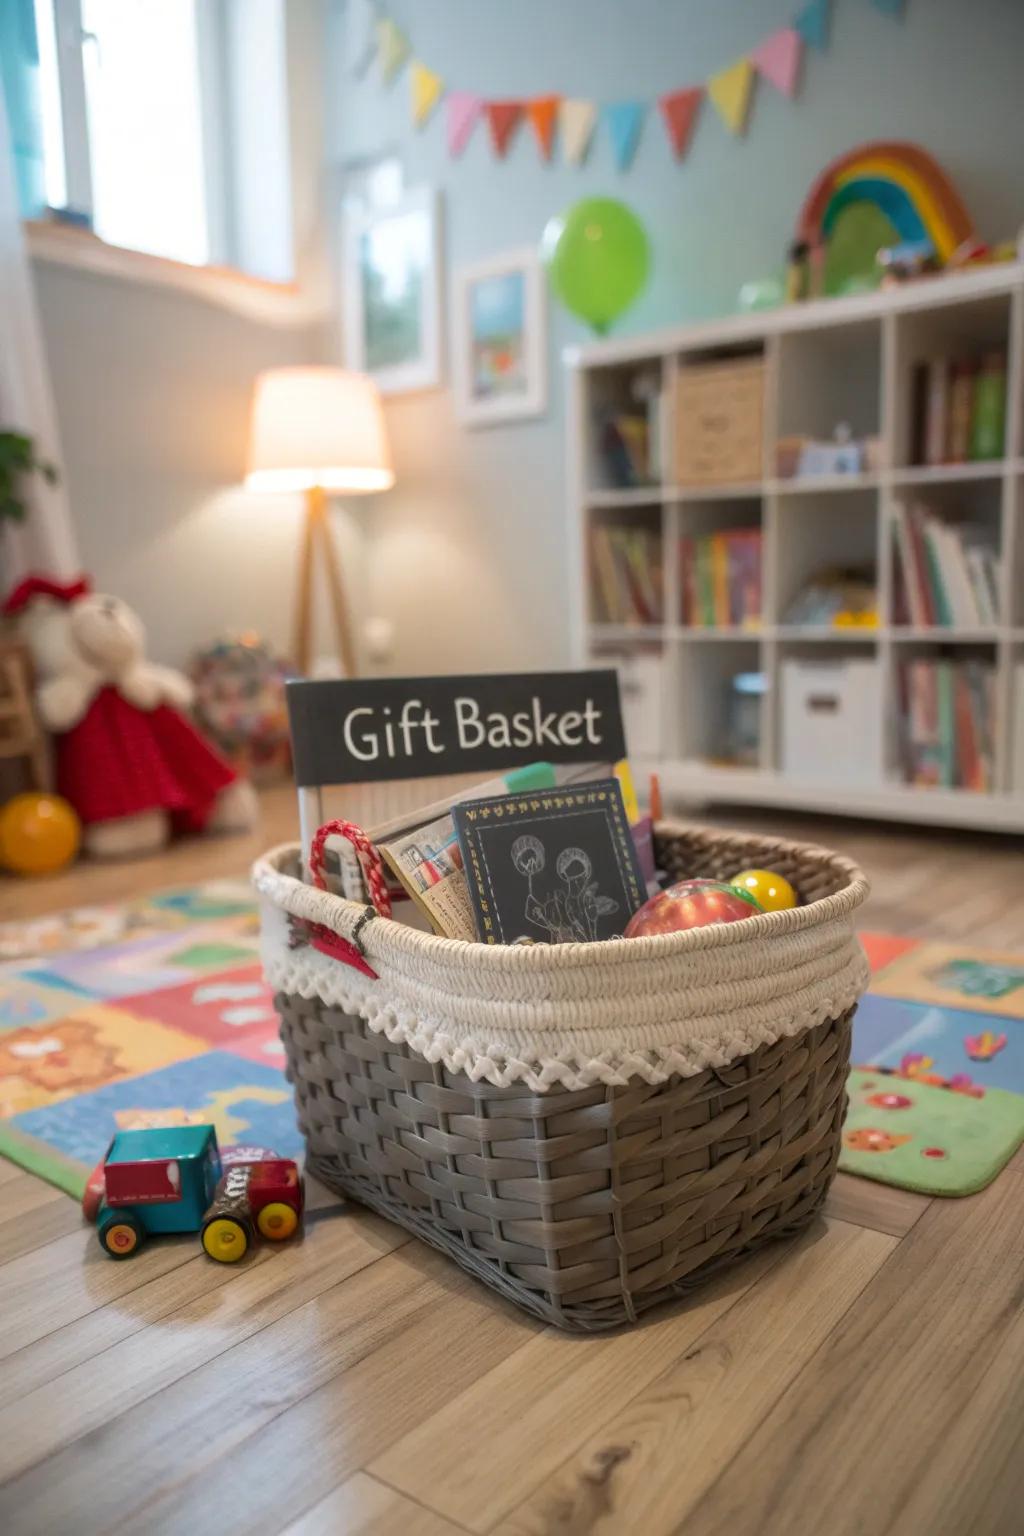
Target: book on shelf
[
  {"x": 947, "y": 574},
  {"x": 958, "y": 410},
  {"x": 948, "y": 714},
  {"x": 720, "y": 580},
  {"x": 627, "y": 581}
]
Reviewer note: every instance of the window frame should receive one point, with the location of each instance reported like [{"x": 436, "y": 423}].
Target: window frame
[{"x": 72, "y": 40}]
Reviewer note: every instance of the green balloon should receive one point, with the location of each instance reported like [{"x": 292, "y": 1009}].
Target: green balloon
[{"x": 598, "y": 258}]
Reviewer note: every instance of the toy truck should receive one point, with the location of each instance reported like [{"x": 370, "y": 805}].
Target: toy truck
[{"x": 173, "y": 1180}]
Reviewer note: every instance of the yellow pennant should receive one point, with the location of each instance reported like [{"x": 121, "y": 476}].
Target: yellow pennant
[
  {"x": 392, "y": 48},
  {"x": 730, "y": 91},
  {"x": 426, "y": 90}
]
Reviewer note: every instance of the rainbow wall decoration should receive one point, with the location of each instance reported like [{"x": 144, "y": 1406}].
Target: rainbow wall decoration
[{"x": 903, "y": 183}]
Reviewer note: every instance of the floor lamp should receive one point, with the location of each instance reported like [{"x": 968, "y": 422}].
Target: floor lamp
[{"x": 318, "y": 430}]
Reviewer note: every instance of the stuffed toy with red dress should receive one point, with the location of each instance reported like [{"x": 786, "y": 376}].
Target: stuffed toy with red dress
[{"x": 129, "y": 760}]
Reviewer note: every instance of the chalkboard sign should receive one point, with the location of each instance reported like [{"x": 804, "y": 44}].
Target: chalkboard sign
[{"x": 424, "y": 727}]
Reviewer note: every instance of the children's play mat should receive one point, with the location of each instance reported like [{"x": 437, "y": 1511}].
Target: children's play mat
[{"x": 156, "y": 1013}]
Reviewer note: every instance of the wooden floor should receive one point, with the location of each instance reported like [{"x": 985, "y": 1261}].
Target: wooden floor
[{"x": 867, "y": 1378}]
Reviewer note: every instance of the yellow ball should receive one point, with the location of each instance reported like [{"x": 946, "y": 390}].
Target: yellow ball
[
  {"x": 770, "y": 891},
  {"x": 39, "y": 834}
]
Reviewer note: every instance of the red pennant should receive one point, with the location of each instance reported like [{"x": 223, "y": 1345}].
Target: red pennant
[
  {"x": 502, "y": 121},
  {"x": 543, "y": 114},
  {"x": 679, "y": 109}
]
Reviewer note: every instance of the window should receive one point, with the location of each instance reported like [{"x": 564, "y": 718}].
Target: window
[{"x": 164, "y": 126}]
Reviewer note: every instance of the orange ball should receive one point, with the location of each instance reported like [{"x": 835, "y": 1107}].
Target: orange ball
[{"x": 39, "y": 834}]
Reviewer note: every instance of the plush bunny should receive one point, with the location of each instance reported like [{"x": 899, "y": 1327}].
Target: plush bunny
[{"x": 129, "y": 761}]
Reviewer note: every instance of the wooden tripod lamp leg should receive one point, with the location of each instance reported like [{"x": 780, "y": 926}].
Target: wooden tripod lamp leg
[
  {"x": 302, "y": 645},
  {"x": 342, "y": 626},
  {"x": 316, "y": 538}
]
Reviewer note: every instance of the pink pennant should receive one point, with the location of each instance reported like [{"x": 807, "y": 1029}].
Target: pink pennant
[
  {"x": 463, "y": 110},
  {"x": 778, "y": 60}
]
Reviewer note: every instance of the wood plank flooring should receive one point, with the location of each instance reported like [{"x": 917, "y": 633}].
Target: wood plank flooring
[{"x": 868, "y": 1377}]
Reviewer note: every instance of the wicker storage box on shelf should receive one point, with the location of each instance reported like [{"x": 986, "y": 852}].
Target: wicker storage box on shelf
[{"x": 590, "y": 1129}]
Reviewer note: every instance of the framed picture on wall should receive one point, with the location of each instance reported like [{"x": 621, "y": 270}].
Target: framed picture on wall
[
  {"x": 499, "y": 340},
  {"x": 391, "y": 291}
]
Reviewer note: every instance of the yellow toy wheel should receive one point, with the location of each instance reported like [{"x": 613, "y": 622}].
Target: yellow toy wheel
[
  {"x": 120, "y": 1239},
  {"x": 225, "y": 1240},
  {"x": 277, "y": 1221}
]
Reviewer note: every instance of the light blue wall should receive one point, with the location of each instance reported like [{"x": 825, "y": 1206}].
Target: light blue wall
[{"x": 469, "y": 550}]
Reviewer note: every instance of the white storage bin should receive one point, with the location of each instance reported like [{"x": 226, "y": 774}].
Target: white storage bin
[{"x": 832, "y": 721}]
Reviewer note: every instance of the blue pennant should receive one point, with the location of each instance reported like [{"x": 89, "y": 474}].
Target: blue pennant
[
  {"x": 812, "y": 23},
  {"x": 625, "y": 119}
]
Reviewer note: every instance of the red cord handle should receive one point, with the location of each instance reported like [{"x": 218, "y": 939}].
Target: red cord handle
[{"x": 369, "y": 861}]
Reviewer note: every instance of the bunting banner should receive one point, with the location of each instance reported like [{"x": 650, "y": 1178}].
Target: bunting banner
[
  {"x": 813, "y": 24},
  {"x": 392, "y": 48},
  {"x": 624, "y": 121},
  {"x": 778, "y": 59},
  {"x": 576, "y": 120},
  {"x": 730, "y": 93},
  {"x": 463, "y": 111},
  {"x": 426, "y": 90},
  {"x": 503, "y": 118},
  {"x": 679, "y": 109},
  {"x": 542, "y": 113}
]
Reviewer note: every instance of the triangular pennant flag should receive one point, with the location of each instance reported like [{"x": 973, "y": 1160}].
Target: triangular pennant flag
[
  {"x": 463, "y": 110},
  {"x": 625, "y": 119},
  {"x": 778, "y": 59},
  {"x": 730, "y": 92},
  {"x": 542, "y": 112},
  {"x": 362, "y": 33},
  {"x": 503, "y": 118},
  {"x": 392, "y": 48},
  {"x": 425, "y": 89},
  {"x": 679, "y": 109},
  {"x": 812, "y": 24},
  {"x": 576, "y": 119}
]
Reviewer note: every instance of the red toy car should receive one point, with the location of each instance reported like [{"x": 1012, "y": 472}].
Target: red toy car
[
  {"x": 264, "y": 1196},
  {"x": 175, "y": 1180}
]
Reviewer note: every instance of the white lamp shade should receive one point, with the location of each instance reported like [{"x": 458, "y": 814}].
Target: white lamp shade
[{"x": 317, "y": 427}]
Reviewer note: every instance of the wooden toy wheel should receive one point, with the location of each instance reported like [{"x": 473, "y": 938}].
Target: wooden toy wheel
[
  {"x": 225, "y": 1239},
  {"x": 121, "y": 1236},
  {"x": 277, "y": 1221}
]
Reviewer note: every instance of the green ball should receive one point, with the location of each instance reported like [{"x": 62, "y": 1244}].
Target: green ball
[{"x": 598, "y": 257}]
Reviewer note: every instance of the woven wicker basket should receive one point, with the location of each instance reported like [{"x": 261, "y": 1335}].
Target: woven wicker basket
[{"x": 589, "y": 1128}]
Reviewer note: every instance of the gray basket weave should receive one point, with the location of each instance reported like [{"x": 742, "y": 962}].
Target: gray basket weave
[{"x": 587, "y": 1205}]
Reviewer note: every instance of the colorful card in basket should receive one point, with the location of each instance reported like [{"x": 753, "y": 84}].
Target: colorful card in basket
[{"x": 556, "y": 867}]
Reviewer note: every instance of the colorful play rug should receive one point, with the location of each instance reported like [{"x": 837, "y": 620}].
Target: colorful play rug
[
  {"x": 152, "y": 1013},
  {"x": 156, "y": 1013},
  {"x": 937, "y": 1087}
]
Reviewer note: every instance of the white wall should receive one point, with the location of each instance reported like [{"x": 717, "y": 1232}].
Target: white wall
[{"x": 152, "y": 389}]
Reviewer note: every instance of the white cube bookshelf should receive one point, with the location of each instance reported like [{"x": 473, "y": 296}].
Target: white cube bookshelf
[{"x": 824, "y": 362}]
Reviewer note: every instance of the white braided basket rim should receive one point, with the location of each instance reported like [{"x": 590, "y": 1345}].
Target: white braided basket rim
[{"x": 580, "y": 1014}]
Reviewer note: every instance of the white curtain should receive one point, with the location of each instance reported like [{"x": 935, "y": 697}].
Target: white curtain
[{"x": 45, "y": 542}]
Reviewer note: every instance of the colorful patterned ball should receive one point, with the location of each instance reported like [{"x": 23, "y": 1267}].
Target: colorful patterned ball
[
  {"x": 772, "y": 892},
  {"x": 691, "y": 904}
]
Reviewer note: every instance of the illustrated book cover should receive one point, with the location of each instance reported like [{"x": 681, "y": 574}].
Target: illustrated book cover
[{"x": 556, "y": 868}]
